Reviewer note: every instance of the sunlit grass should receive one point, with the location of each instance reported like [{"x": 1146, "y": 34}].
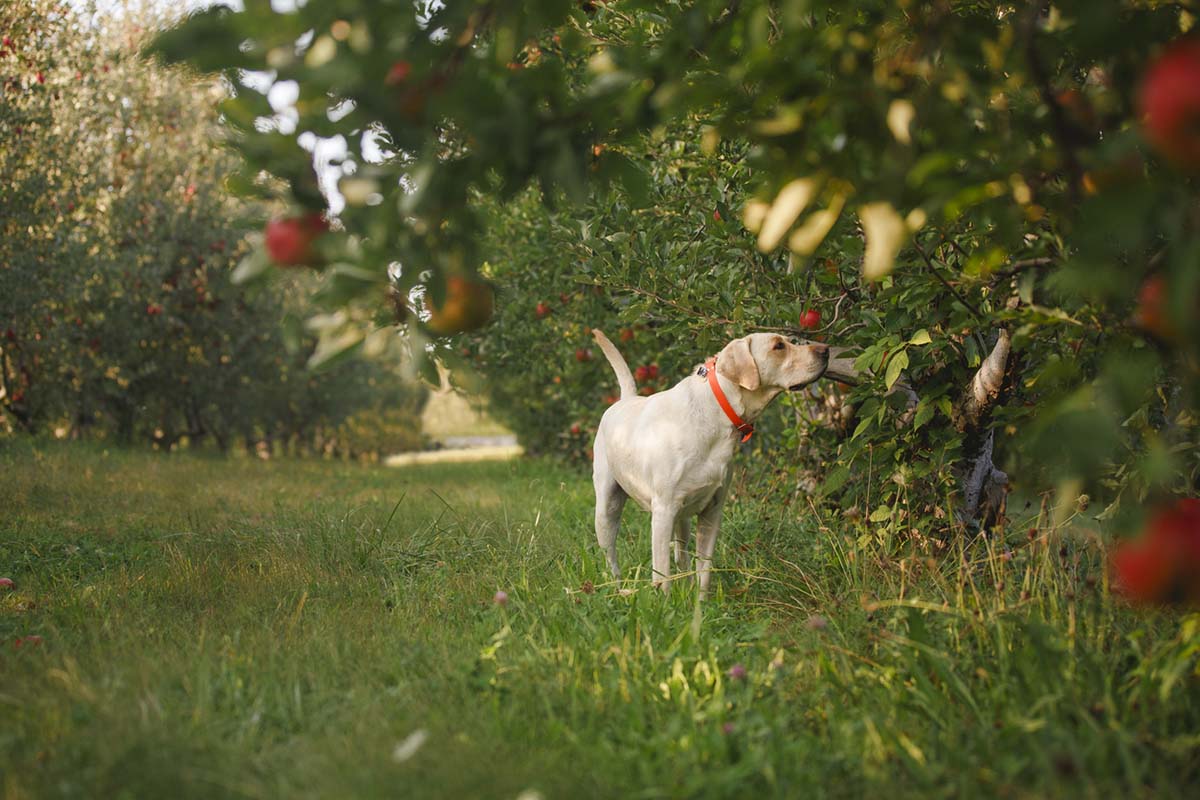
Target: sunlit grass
[{"x": 260, "y": 629}]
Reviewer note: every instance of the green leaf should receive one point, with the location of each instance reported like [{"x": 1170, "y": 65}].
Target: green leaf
[
  {"x": 207, "y": 40},
  {"x": 632, "y": 178},
  {"x": 924, "y": 414},
  {"x": 253, "y": 268},
  {"x": 836, "y": 479},
  {"x": 881, "y": 514},
  {"x": 335, "y": 348},
  {"x": 897, "y": 364},
  {"x": 920, "y": 337}
]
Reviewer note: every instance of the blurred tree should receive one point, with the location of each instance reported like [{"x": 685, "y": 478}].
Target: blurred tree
[{"x": 117, "y": 243}]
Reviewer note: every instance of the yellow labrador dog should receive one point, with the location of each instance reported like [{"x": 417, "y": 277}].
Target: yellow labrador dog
[{"x": 671, "y": 451}]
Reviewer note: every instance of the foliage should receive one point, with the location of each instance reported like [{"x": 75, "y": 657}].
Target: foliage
[
  {"x": 118, "y": 241},
  {"x": 933, "y": 171},
  {"x": 286, "y": 630}
]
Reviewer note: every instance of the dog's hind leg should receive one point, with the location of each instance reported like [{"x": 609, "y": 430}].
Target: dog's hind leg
[
  {"x": 683, "y": 544},
  {"x": 610, "y": 502}
]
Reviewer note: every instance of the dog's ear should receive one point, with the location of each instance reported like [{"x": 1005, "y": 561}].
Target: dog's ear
[{"x": 736, "y": 362}]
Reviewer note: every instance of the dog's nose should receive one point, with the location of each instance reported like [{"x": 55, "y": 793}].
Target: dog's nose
[{"x": 819, "y": 350}]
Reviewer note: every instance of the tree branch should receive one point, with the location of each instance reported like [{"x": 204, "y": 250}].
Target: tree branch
[{"x": 975, "y": 312}]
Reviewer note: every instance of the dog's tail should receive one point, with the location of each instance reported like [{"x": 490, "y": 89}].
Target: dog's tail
[{"x": 617, "y": 361}]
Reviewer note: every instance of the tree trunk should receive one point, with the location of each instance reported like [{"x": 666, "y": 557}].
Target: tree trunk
[{"x": 982, "y": 487}]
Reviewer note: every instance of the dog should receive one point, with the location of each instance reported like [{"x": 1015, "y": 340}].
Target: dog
[{"x": 671, "y": 451}]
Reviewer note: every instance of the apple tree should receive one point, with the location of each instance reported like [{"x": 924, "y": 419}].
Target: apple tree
[
  {"x": 118, "y": 314},
  {"x": 991, "y": 207}
]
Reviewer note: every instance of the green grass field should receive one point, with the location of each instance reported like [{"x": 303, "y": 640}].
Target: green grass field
[{"x": 240, "y": 628}]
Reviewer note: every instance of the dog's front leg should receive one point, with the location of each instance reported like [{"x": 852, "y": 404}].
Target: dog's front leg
[
  {"x": 707, "y": 529},
  {"x": 662, "y": 532}
]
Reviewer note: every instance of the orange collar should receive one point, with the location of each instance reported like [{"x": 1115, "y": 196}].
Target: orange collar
[{"x": 742, "y": 426}]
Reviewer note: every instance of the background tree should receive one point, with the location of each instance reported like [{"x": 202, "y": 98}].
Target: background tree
[
  {"x": 977, "y": 174},
  {"x": 117, "y": 309}
]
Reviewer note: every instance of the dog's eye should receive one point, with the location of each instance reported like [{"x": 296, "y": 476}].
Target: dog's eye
[{"x": 780, "y": 345}]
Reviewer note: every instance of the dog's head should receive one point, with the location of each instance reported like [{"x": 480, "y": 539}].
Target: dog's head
[{"x": 768, "y": 361}]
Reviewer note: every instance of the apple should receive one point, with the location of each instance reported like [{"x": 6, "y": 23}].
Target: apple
[
  {"x": 542, "y": 310},
  {"x": 717, "y": 215},
  {"x": 810, "y": 320},
  {"x": 398, "y": 74},
  {"x": 1151, "y": 313},
  {"x": 1170, "y": 102},
  {"x": 468, "y": 304},
  {"x": 627, "y": 334},
  {"x": 652, "y": 371},
  {"x": 641, "y": 373},
  {"x": 583, "y": 354},
  {"x": 152, "y": 310},
  {"x": 576, "y": 429},
  {"x": 290, "y": 239},
  {"x": 6, "y": 583},
  {"x": 646, "y": 390},
  {"x": 609, "y": 399}
]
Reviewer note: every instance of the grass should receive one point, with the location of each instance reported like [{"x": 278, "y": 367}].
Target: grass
[{"x": 261, "y": 629}]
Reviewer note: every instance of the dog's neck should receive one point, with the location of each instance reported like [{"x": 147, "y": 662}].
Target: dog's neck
[{"x": 749, "y": 405}]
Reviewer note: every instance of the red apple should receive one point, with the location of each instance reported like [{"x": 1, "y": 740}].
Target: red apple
[
  {"x": 1170, "y": 102},
  {"x": 583, "y": 354},
  {"x": 6, "y": 583},
  {"x": 1162, "y": 565},
  {"x": 398, "y": 73},
  {"x": 290, "y": 240},
  {"x": 627, "y": 334},
  {"x": 542, "y": 310},
  {"x": 641, "y": 374},
  {"x": 652, "y": 371},
  {"x": 646, "y": 390},
  {"x": 1151, "y": 314},
  {"x": 576, "y": 429},
  {"x": 717, "y": 215},
  {"x": 810, "y": 320},
  {"x": 153, "y": 310}
]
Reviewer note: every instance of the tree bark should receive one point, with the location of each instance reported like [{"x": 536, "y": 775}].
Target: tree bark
[{"x": 982, "y": 487}]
